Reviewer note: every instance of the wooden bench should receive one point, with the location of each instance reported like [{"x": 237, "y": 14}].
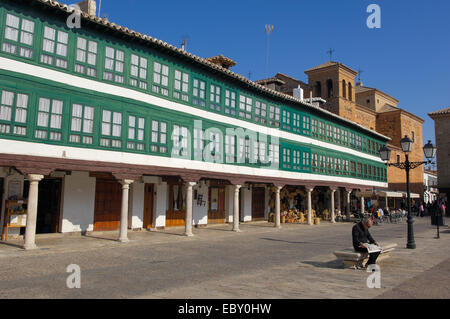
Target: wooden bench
[{"x": 354, "y": 259}]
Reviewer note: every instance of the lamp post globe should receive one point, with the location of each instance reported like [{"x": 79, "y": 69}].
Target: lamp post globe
[
  {"x": 385, "y": 153},
  {"x": 406, "y": 144},
  {"x": 429, "y": 150}
]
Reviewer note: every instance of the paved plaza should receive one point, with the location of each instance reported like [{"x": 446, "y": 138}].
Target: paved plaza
[{"x": 296, "y": 261}]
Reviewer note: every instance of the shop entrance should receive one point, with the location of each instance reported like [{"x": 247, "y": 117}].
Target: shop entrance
[
  {"x": 258, "y": 203},
  {"x": 108, "y": 205},
  {"x": 148, "y": 206},
  {"x": 216, "y": 206},
  {"x": 49, "y": 205}
]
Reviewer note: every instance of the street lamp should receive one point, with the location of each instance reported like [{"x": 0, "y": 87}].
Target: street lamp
[{"x": 385, "y": 154}]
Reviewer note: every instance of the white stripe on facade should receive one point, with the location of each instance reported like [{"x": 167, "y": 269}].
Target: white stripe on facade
[
  {"x": 83, "y": 83},
  {"x": 67, "y": 152}
]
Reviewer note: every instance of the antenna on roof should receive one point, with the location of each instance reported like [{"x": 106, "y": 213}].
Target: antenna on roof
[
  {"x": 268, "y": 30},
  {"x": 99, "y": 8},
  {"x": 359, "y": 83},
  {"x": 330, "y": 52},
  {"x": 249, "y": 75},
  {"x": 184, "y": 43}
]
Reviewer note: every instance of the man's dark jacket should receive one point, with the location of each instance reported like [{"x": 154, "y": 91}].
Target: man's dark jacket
[{"x": 361, "y": 235}]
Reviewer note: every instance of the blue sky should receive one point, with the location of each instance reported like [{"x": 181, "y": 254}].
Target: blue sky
[{"x": 408, "y": 58}]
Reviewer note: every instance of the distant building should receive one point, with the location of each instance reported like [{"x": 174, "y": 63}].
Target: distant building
[
  {"x": 334, "y": 84},
  {"x": 442, "y": 128},
  {"x": 430, "y": 184}
]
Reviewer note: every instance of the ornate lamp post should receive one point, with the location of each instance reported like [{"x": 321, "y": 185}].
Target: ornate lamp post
[{"x": 430, "y": 151}]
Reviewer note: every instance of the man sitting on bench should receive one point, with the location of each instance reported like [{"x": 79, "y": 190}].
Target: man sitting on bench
[{"x": 361, "y": 237}]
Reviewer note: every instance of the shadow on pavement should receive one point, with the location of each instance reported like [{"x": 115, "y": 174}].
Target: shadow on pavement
[{"x": 334, "y": 264}]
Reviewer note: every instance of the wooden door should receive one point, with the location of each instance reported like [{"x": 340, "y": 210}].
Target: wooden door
[
  {"x": 216, "y": 206},
  {"x": 176, "y": 212},
  {"x": 258, "y": 203},
  {"x": 49, "y": 204},
  {"x": 148, "y": 206},
  {"x": 108, "y": 205}
]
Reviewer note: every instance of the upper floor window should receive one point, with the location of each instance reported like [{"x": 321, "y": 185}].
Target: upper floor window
[
  {"x": 230, "y": 102},
  {"x": 181, "y": 86},
  {"x": 160, "y": 79},
  {"x": 54, "y": 47},
  {"x": 19, "y": 36},
  {"x": 274, "y": 116},
  {"x": 322, "y": 130},
  {"x": 286, "y": 120},
  {"x": 13, "y": 113},
  {"x": 199, "y": 92},
  {"x": 199, "y": 143},
  {"x": 245, "y": 107},
  {"x": 296, "y": 123},
  {"x": 230, "y": 148},
  {"x": 314, "y": 127},
  {"x": 306, "y": 125},
  {"x": 286, "y": 158},
  {"x": 261, "y": 112},
  {"x": 111, "y": 129},
  {"x": 180, "y": 143},
  {"x": 159, "y": 137},
  {"x": 136, "y": 133},
  {"x": 82, "y": 124},
  {"x": 138, "y": 72},
  {"x": 114, "y": 65},
  {"x": 86, "y": 59},
  {"x": 214, "y": 97},
  {"x": 296, "y": 160},
  {"x": 49, "y": 119},
  {"x": 274, "y": 153}
]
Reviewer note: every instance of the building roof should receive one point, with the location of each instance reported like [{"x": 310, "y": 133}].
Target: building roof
[
  {"x": 270, "y": 80},
  {"x": 361, "y": 89},
  {"x": 202, "y": 61},
  {"x": 440, "y": 112},
  {"x": 222, "y": 61},
  {"x": 331, "y": 63}
]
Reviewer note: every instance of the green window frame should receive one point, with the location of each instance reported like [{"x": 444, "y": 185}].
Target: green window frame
[
  {"x": 315, "y": 162},
  {"x": 180, "y": 138},
  {"x": 286, "y": 120},
  {"x": 314, "y": 128},
  {"x": 245, "y": 107},
  {"x": 260, "y": 112},
  {"x": 322, "y": 130},
  {"x": 230, "y": 149},
  {"x": 49, "y": 119},
  {"x": 296, "y": 122},
  {"x": 111, "y": 129},
  {"x": 199, "y": 143},
  {"x": 230, "y": 102},
  {"x": 287, "y": 158},
  {"x": 14, "y": 113},
  {"x": 114, "y": 67},
  {"x": 329, "y": 129},
  {"x": 322, "y": 163},
  {"x": 215, "y": 93},
  {"x": 82, "y": 124},
  {"x": 181, "y": 86},
  {"x": 199, "y": 92},
  {"x": 55, "y": 47},
  {"x": 306, "y": 125},
  {"x": 274, "y": 154},
  {"x": 274, "y": 116},
  {"x": 136, "y": 133},
  {"x": 296, "y": 160},
  {"x": 19, "y": 36},
  {"x": 86, "y": 57},
  {"x": 344, "y": 134},
  {"x": 160, "y": 79},
  {"x": 138, "y": 72},
  {"x": 306, "y": 161},
  {"x": 158, "y": 143}
]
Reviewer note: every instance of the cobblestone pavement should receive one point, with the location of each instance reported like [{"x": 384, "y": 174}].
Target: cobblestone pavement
[{"x": 296, "y": 261}]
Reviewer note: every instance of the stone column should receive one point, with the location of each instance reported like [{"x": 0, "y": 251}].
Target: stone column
[
  {"x": 236, "y": 209},
  {"x": 30, "y": 230},
  {"x": 123, "y": 235},
  {"x": 362, "y": 205},
  {"x": 309, "y": 190},
  {"x": 338, "y": 193},
  {"x": 333, "y": 218},
  {"x": 387, "y": 203},
  {"x": 188, "y": 220},
  {"x": 278, "y": 207},
  {"x": 348, "y": 204}
]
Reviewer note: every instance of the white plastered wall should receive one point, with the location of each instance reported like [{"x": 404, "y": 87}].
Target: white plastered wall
[
  {"x": 136, "y": 211},
  {"x": 246, "y": 203},
  {"x": 200, "y": 210},
  {"x": 78, "y": 203},
  {"x": 229, "y": 202},
  {"x": 13, "y": 181}
]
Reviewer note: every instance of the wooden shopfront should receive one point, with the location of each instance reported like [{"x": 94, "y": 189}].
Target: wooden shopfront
[
  {"x": 258, "y": 203},
  {"x": 176, "y": 202},
  {"x": 216, "y": 202},
  {"x": 108, "y": 203}
]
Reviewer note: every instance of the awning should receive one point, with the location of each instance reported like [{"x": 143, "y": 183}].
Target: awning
[{"x": 389, "y": 194}]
